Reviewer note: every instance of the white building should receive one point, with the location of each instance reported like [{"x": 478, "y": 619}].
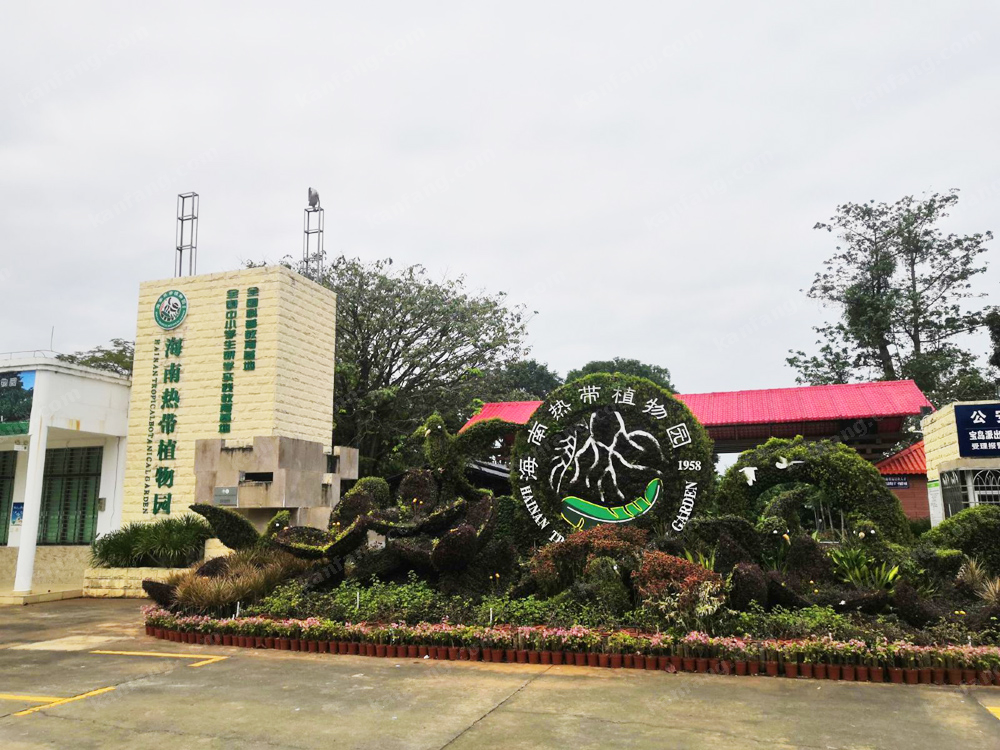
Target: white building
[{"x": 62, "y": 462}]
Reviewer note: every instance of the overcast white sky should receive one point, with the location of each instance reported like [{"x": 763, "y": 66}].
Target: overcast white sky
[{"x": 644, "y": 175}]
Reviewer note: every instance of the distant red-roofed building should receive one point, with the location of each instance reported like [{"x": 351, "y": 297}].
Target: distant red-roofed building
[
  {"x": 905, "y": 473},
  {"x": 867, "y": 416}
]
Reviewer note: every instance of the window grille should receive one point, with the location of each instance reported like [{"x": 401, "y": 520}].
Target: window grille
[
  {"x": 8, "y": 463},
  {"x": 70, "y": 488}
]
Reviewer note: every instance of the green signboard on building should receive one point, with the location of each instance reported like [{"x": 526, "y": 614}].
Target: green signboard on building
[{"x": 16, "y": 392}]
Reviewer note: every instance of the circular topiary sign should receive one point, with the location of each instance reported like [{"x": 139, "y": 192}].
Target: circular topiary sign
[{"x": 610, "y": 449}]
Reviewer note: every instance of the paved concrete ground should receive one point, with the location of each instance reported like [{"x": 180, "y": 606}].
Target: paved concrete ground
[{"x": 273, "y": 699}]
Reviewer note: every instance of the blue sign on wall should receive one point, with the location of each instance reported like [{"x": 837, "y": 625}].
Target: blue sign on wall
[{"x": 978, "y": 428}]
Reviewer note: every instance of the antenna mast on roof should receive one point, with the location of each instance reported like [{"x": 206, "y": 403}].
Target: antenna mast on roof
[
  {"x": 312, "y": 237},
  {"x": 187, "y": 234}
]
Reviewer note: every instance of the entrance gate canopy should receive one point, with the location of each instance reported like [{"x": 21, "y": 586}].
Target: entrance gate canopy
[{"x": 867, "y": 416}]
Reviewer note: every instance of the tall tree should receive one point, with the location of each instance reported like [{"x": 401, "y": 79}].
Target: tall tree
[
  {"x": 116, "y": 357},
  {"x": 408, "y": 346},
  {"x": 903, "y": 291},
  {"x": 524, "y": 380},
  {"x": 659, "y": 375}
]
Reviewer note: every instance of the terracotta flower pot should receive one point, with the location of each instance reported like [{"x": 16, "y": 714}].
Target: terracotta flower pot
[
  {"x": 627, "y": 660},
  {"x": 312, "y": 647},
  {"x": 453, "y": 653},
  {"x": 714, "y": 666},
  {"x": 591, "y": 659},
  {"x": 896, "y": 675},
  {"x": 753, "y": 668},
  {"x": 475, "y": 653},
  {"x": 819, "y": 671},
  {"x": 652, "y": 663},
  {"x": 353, "y": 648},
  {"x": 149, "y": 630},
  {"x": 604, "y": 660},
  {"x": 911, "y": 676},
  {"x": 876, "y": 674},
  {"x": 546, "y": 657},
  {"x": 861, "y": 674},
  {"x": 939, "y": 676},
  {"x": 534, "y": 657},
  {"x": 392, "y": 650},
  {"x": 380, "y": 650},
  {"x": 969, "y": 676},
  {"x": 985, "y": 677},
  {"x": 701, "y": 664},
  {"x": 833, "y": 671},
  {"x": 227, "y": 640},
  {"x": 806, "y": 670},
  {"x": 688, "y": 663},
  {"x": 268, "y": 641},
  {"x": 791, "y": 669},
  {"x": 510, "y": 655},
  {"x": 662, "y": 662},
  {"x": 771, "y": 668},
  {"x": 741, "y": 668},
  {"x": 954, "y": 676},
  {"x": 616, "y": 661},
  {"x": 522, "y": 656},
  {"x": 411, "y": 650},
  {"x": 638, "y": 661},
  {"x": 558, "y": 658},
  {"x": 926, "y": 675},
  {"x": 847, "y": 673},
  {"x": 496, "y": 655},
  {"x": 158, "y": 632},
  {"x": 677, "y": 662},
  {"x": 463, "y": 653}
]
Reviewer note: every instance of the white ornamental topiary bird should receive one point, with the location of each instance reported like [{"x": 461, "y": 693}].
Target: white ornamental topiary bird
[{"x": 313, "y": 198}]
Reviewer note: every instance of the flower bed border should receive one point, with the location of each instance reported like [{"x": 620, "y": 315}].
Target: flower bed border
[{"x": 855, "y": 661}]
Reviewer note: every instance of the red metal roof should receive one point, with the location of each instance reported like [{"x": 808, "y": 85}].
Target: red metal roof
[
  {"x": 816, "y": 403},
  {"x": 907, "y": 461}
]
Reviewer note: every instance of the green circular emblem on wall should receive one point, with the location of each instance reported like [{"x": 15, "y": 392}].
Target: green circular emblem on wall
[
  {"x": 170, "y": 309},
  {"x": 611, "y": 449}
]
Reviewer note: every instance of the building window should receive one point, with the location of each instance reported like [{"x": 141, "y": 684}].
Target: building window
[
  {"x": 986, "y": 487},
  {"x": 954, "y": 492},
  {"x": 8, "y": 464},
  {"x": 70, "y": 489}
]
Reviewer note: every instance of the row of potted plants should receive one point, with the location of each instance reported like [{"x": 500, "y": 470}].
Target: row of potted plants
[{"x": 818, "y": 658}]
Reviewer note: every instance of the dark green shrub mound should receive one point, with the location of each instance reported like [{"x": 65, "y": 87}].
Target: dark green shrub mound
[
  {"x": 974, "y": 531},
  {"x": 601, "y": 586},
  {"x": 375, "y": 488},
  {"x": 748, "y": 585},
  {"x": 281, "y": 520},
  {"x": 229, "y": 527},
  {"x": 166, "y": 543},
  {"x": 849, "y": 484},
  {"x": 708, "y": 533},
  {"x": 910, "y": 607},
  {"x": 455, "y": 549},
  {"x": 215, "y": 567},
  {"x": 161, "y": 593},
  {"x": 807, "y": 559},
  {"x": 313, "y": 544},
  {"x": 781, "y": 594},
  {"x": 418, "y": 485}
]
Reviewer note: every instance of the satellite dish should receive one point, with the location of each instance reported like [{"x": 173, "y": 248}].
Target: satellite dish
[{"x": 313, "y": 198}]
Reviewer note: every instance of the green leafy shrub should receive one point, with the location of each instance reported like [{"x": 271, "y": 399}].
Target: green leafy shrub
[
  {"x": 166, "y": 543},
  {"x": 848, "y": 483},
  {"x": 748, "y": 585},
  {"x": 807, "y": 559},
  {"x": 732, "y": 539},
  {"x": 855, "y": 566},
  {"x": 376, "y": 488},
  {"x": 418, "y": 485},
  {"x": 781, "y": 594},
  {"x": 974, "y": 531},
  {"x": 919, "y": 526},
  {"x": 556, "y": 566},
  {"x": 789, "y": 503},
  {"x": 228, "y": 526},
  {"x": 601, "y": 586}
]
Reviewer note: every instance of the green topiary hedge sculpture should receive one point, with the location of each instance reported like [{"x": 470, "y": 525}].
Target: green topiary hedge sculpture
[
  {"x": 232, "y": 529},
  {"x": 974, "y": 531},
  {"x": 850, "y": 484}
]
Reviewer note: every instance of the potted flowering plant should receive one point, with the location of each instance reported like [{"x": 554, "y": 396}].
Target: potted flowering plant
[
  {"x": 789, "y": 653},
  {"x": 769, "y": 651},
  {"x": 619, "y": 643},
  {"x": 555, "y": 642},
  {"x": 640, "y": 649},
  {"x": 576, "y": 642}
]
